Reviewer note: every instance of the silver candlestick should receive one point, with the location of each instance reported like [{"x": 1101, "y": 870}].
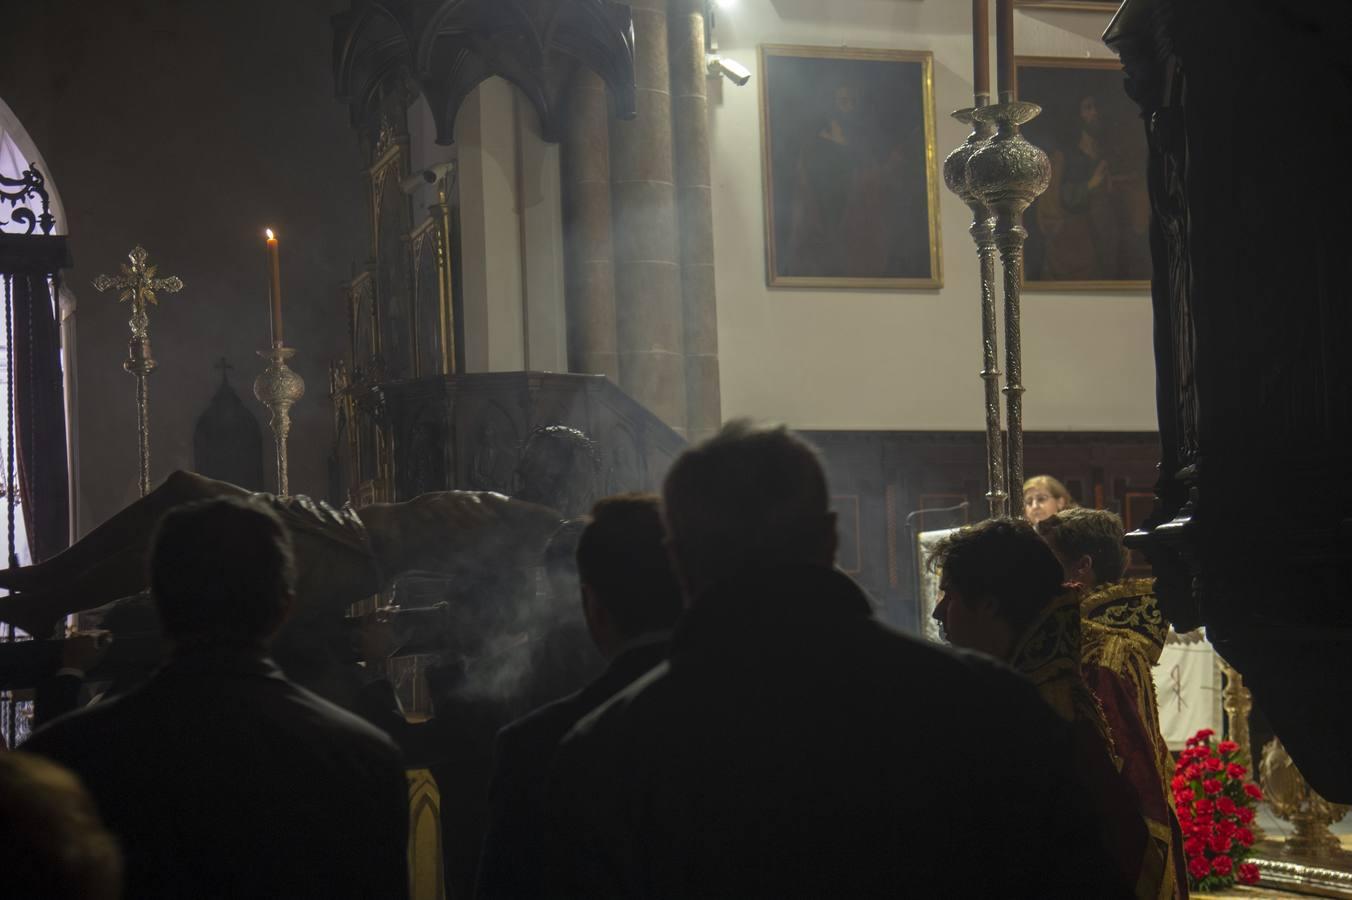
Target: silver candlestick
[
  {"x": 1008, "y": 174},
  {"x": 277, "y": 388},
  {"x": 983, "y": 233}
]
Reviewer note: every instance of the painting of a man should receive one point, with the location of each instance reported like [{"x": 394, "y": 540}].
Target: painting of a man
[
  {"x": 849, "y": 168},
  {"x": 1091, "y": 227}
]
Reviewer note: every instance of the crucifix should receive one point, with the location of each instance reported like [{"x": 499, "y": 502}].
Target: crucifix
[{"x": 139, "y": 284}]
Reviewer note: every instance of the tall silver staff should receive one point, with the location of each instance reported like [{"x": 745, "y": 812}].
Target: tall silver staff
[
  {"x": 1008, "y": 174},
  {"x": 983, "y": 233},
  {"x": 139, "y": 284}
]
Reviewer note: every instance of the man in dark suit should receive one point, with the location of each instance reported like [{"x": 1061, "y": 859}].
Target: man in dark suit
[
  {"x": 219, "y": 776},
  {"x": 792, "y": 745},
  {"x": 631, "y": 602}
]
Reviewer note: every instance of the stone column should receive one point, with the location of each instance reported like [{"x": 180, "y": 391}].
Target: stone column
[
  {"x": 651, "y": 324},
  {"x": 589, "y": 286},
  {"x": 694, "y": 203}
]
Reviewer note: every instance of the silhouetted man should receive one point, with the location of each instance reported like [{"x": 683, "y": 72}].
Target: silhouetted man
[
  {"x": 220, "y": 777},
  {"x": 631, "y": 602},
  {"x": 793, "y": 746}
]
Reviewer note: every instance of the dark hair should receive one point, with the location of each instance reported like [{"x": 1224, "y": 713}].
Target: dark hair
[
  {"x": 1004, "y": 560},
  {"x": 221, "y": 569},
  {"x": 52, "y": 843},
  {"x": 1096, "y": 533},
  {"x": 748, "y": 497},
  {"x": 621, "y": 557}
]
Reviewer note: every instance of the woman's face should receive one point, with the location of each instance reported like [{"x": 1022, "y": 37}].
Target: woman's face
[{"x": 1038, "y": 504}]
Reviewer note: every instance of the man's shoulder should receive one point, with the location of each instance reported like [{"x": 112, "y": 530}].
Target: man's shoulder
[
  {"x": 545, "y": 725},
  {"x": 325, "y": 716}
]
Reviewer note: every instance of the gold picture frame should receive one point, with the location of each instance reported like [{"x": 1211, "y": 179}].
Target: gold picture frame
[
  {"x": 1100, "y": 240},
  {"x": 1105, "y": 6},
  {"x": 848, "y": 216}
]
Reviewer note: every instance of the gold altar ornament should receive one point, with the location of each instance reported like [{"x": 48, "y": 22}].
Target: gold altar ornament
[
  {"x": 278, "y": 388},
  {"x": 138, "y": 284}
]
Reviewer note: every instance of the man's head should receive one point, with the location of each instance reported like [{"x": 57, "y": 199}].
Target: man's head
[
  {"x": 1087, "y": 543},
  {"x": 628, "y": 588},
  {"x": 221, "y": 571},
  {"x": 1089, "y": 113},
  {"x": 996, "y": 578},
  {"x": 52, "y": 842},
  {"x": 747, "y": 498}
]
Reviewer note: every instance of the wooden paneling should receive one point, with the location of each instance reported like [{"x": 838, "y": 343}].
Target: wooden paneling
[{"x": 897, "y": 481}]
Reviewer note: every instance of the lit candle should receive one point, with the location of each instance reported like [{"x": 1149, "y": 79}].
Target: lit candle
[
  {"x": 981, "y": 48},
  {"x": 1004, "y": 48},
  {"x": 275, "y": 288}
]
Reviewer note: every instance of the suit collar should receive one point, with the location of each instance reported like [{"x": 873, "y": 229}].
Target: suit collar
[{"x": 770, "y": 602}]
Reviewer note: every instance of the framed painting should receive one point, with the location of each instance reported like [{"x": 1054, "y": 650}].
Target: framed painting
[
  {"x": 848, "y": 156},
  {"x": 1090, "y": 230}
]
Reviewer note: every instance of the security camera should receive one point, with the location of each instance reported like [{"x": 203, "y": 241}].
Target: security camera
[
  {"x": 730, "y": 69},
  {"x": 430, "y": 175}
]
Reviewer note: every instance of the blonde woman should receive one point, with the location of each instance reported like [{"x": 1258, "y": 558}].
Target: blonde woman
[{"x": 1044, "y": 497}]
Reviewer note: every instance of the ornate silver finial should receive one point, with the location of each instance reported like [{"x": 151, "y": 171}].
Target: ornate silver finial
[{"x": 278, "y": 388}]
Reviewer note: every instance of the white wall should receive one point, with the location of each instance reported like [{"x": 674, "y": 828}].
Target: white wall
[
  {"x": 903, "y": 360},
  {"x": 511, "y": 234}
]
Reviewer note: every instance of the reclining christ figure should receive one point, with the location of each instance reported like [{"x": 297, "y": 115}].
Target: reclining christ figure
[{"x": 341, "y": 556}]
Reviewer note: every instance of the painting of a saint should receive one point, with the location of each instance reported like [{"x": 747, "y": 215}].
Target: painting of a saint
[
  {"x": 1090, "y": 229},
  {"x": 848, "y": 138}
]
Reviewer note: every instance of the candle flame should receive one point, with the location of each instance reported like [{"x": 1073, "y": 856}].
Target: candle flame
[{"x": 271, "y": 236}]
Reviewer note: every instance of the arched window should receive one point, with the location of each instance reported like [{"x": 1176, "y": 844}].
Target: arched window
[{"x": 35, "y": 327}]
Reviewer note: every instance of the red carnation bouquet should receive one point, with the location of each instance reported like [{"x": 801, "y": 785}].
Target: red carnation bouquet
[{"x": 1215, "y": 805}]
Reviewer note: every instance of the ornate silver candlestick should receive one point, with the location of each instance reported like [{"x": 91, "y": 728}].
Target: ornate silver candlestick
[
  {"x": 983, "y": 233},
  {"x": 138, "y": 283},
  {"x": 1008, "y": 174},
  {"x": 278, "y": 388}
]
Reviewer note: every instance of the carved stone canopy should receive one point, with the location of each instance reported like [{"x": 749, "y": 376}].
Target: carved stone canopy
[{"x": 445, "y": 48}]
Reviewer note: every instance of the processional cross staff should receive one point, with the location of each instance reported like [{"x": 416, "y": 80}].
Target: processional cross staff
[{"x": 139, "y": 283}]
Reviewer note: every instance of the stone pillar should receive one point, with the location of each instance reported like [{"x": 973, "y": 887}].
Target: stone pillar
[
  {"x": 694, "y": 203},
  {"x": 589, "y": 291},
  {"x": 651, "y": 323}
]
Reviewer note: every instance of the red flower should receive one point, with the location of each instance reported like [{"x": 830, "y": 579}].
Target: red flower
[
  {"x": 1219, "y": 843},
  {"x": 1194, "y": 846},
  {"x": 1199, "y": 867},
  {"x": 1179, "y": 783},
  {"x": 1235, "y": 770},
  {"x": 1226, "y": 828},
  {"x": 1244, "y": 836},
  {"x": 1183, "y": 797},
  {"x": 1226, "y": 805},
  {"x": 1222, "y": 865},
  {"x": 1203, "y": 734},
  {"x": 1202, "y": 807},
  {"x": 1248, "y": 873},
  {"x": 1245, "y": 814},
  {"x": 1212, "y": 764},
  {"x": 1254, "y": 791},
  {"x": 1227, "y": 746},
  {"x": 1211, "y": 786},
  {"x": 1184, "y": 814},
  {"x": 1201, "y": 830}
]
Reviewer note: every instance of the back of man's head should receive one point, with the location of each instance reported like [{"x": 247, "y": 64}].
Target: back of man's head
[
  {"x": 221, "y": 570},
  {"x": 747, "y": 498},
  {"x": 1002, "y": 561},
  {"x": 1095, "y": 533},
  {"x": 622, "y": 558},
  {"x": 52, "y": 842}
]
